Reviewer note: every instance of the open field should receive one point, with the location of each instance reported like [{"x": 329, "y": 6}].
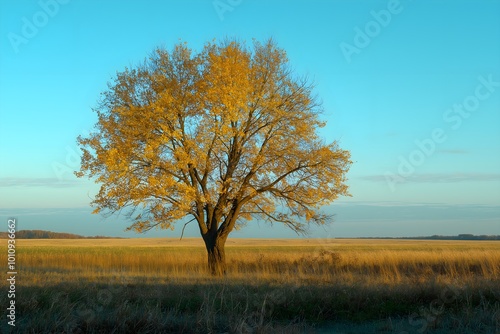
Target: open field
[{"x": 288, "y": 286}]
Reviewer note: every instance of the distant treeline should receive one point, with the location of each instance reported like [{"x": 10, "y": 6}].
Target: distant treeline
[
  {"x": 444, "y": 237},
  {"x": 39, "y": 234}
]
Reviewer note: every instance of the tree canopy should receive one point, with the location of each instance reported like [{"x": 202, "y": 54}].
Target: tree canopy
[{"x": 223, "y": 135}]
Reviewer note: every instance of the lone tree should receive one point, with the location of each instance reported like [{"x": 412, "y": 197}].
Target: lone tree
[{"x": 222, "y": 136}]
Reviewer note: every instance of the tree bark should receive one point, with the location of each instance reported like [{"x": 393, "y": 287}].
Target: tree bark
[{"x": 216, "y": 254}]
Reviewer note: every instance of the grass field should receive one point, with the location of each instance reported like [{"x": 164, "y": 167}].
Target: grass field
[{"x": 272, "y": 286}]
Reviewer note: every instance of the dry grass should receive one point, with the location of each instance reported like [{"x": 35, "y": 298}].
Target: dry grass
[
  {"x": 306, "y": 261},
  {"x": 271, "y": 284}
]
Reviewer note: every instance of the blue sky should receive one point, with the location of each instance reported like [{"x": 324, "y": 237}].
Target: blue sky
[{"x": 411, "y": 88}]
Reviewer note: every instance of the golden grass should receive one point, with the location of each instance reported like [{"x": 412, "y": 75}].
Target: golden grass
[
  {"x": 285, "y": 261},
  {"x": 162, "y": 285}
]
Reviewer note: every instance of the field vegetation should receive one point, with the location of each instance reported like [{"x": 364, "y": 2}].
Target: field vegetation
[{"x": 288, "y": 286}]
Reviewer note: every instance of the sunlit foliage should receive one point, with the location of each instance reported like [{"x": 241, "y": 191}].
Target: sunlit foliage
[{"x": 224, "y": 135}]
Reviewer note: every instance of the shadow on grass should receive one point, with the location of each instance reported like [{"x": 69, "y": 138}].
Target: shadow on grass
[{"x": 220, "y": 306}]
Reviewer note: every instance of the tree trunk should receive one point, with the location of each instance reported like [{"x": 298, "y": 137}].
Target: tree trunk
[{"x": 216, "y": 255}]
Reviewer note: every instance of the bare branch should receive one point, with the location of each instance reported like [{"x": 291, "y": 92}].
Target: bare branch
[{"x": 185, "y": 227}]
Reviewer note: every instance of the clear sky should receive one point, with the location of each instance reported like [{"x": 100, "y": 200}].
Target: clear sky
[{"x": 411, "y": 88}]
